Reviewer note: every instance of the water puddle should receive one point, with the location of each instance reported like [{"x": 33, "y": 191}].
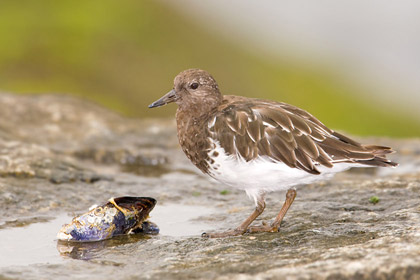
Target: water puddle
[
  {"x": 180, "y": 220},
  {"x": 31, "y": 244},
  {"x": 35, "y": 243}
]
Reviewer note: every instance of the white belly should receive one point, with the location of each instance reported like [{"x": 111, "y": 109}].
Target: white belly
[{"x": 262, "y": 174}]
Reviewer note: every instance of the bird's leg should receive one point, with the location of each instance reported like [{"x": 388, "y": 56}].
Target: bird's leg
[
  {"x": 274, "y": 226},
  {"x": 242, "y": 228}
]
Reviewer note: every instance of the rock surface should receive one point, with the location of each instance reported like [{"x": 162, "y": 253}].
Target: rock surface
[{"x": 59, "y": 155}]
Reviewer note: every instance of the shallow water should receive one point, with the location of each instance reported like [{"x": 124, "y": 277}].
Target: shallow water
[
  {"x": 31, "y": 244},
  {"x": 28, "y": 243}
]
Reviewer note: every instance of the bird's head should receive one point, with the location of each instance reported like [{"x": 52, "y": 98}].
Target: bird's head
[{"x": 192, "y": 87}]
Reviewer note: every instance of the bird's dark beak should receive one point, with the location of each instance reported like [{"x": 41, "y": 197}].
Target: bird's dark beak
[{"x": 167, "y": 98}]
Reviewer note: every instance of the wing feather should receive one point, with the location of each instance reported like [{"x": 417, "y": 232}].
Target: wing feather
[{"x": 287, "y": 134}]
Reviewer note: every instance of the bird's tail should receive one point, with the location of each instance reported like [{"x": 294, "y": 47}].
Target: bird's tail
[{"x": 379, "y": 159}]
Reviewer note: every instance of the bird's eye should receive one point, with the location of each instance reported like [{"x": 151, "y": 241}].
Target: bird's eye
[{"x": 194, "y": 85}]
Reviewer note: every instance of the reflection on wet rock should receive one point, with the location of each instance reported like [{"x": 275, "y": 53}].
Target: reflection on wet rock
[{"x": 90, "y": 250}]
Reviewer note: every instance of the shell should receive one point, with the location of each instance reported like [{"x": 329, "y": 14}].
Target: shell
[{"x": 122, "y": 215}]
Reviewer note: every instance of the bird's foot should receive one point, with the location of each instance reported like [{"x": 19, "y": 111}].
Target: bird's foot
[
  {"x": 263, "y": 228},
  {"x": 228, "y": 233}
]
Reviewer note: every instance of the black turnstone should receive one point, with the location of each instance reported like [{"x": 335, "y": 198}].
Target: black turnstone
[{"x": 259, "y": 145}]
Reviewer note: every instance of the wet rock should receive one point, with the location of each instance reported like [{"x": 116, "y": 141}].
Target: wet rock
[
  {"x": 332, "y": 231},
  {"x": 43, "y": 136},
  {"x": 26, "y": 160}
]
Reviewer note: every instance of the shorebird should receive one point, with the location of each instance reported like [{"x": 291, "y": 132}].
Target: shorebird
[{"x": 259, "y": 145}]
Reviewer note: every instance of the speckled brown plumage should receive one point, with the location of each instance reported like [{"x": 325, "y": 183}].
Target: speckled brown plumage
[{"x": 254, "y": 127}]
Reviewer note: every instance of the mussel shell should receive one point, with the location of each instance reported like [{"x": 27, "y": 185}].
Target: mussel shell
[{"x": 118, "y": 216}]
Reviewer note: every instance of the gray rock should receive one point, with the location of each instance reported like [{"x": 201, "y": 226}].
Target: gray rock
[{"x": 60, "y": 155}]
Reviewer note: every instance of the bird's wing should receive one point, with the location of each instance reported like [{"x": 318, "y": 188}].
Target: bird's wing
[{"x": 287, "y": 134}]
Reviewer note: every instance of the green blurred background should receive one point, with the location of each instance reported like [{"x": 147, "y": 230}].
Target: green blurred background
[{"x": 124, "y": 55}]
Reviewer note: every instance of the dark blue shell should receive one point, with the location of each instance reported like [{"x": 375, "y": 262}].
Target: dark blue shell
[{"x": 105, "y": 230}]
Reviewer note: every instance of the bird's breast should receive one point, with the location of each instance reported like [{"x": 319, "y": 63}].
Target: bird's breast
[{"x": 193, "y": 139}]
